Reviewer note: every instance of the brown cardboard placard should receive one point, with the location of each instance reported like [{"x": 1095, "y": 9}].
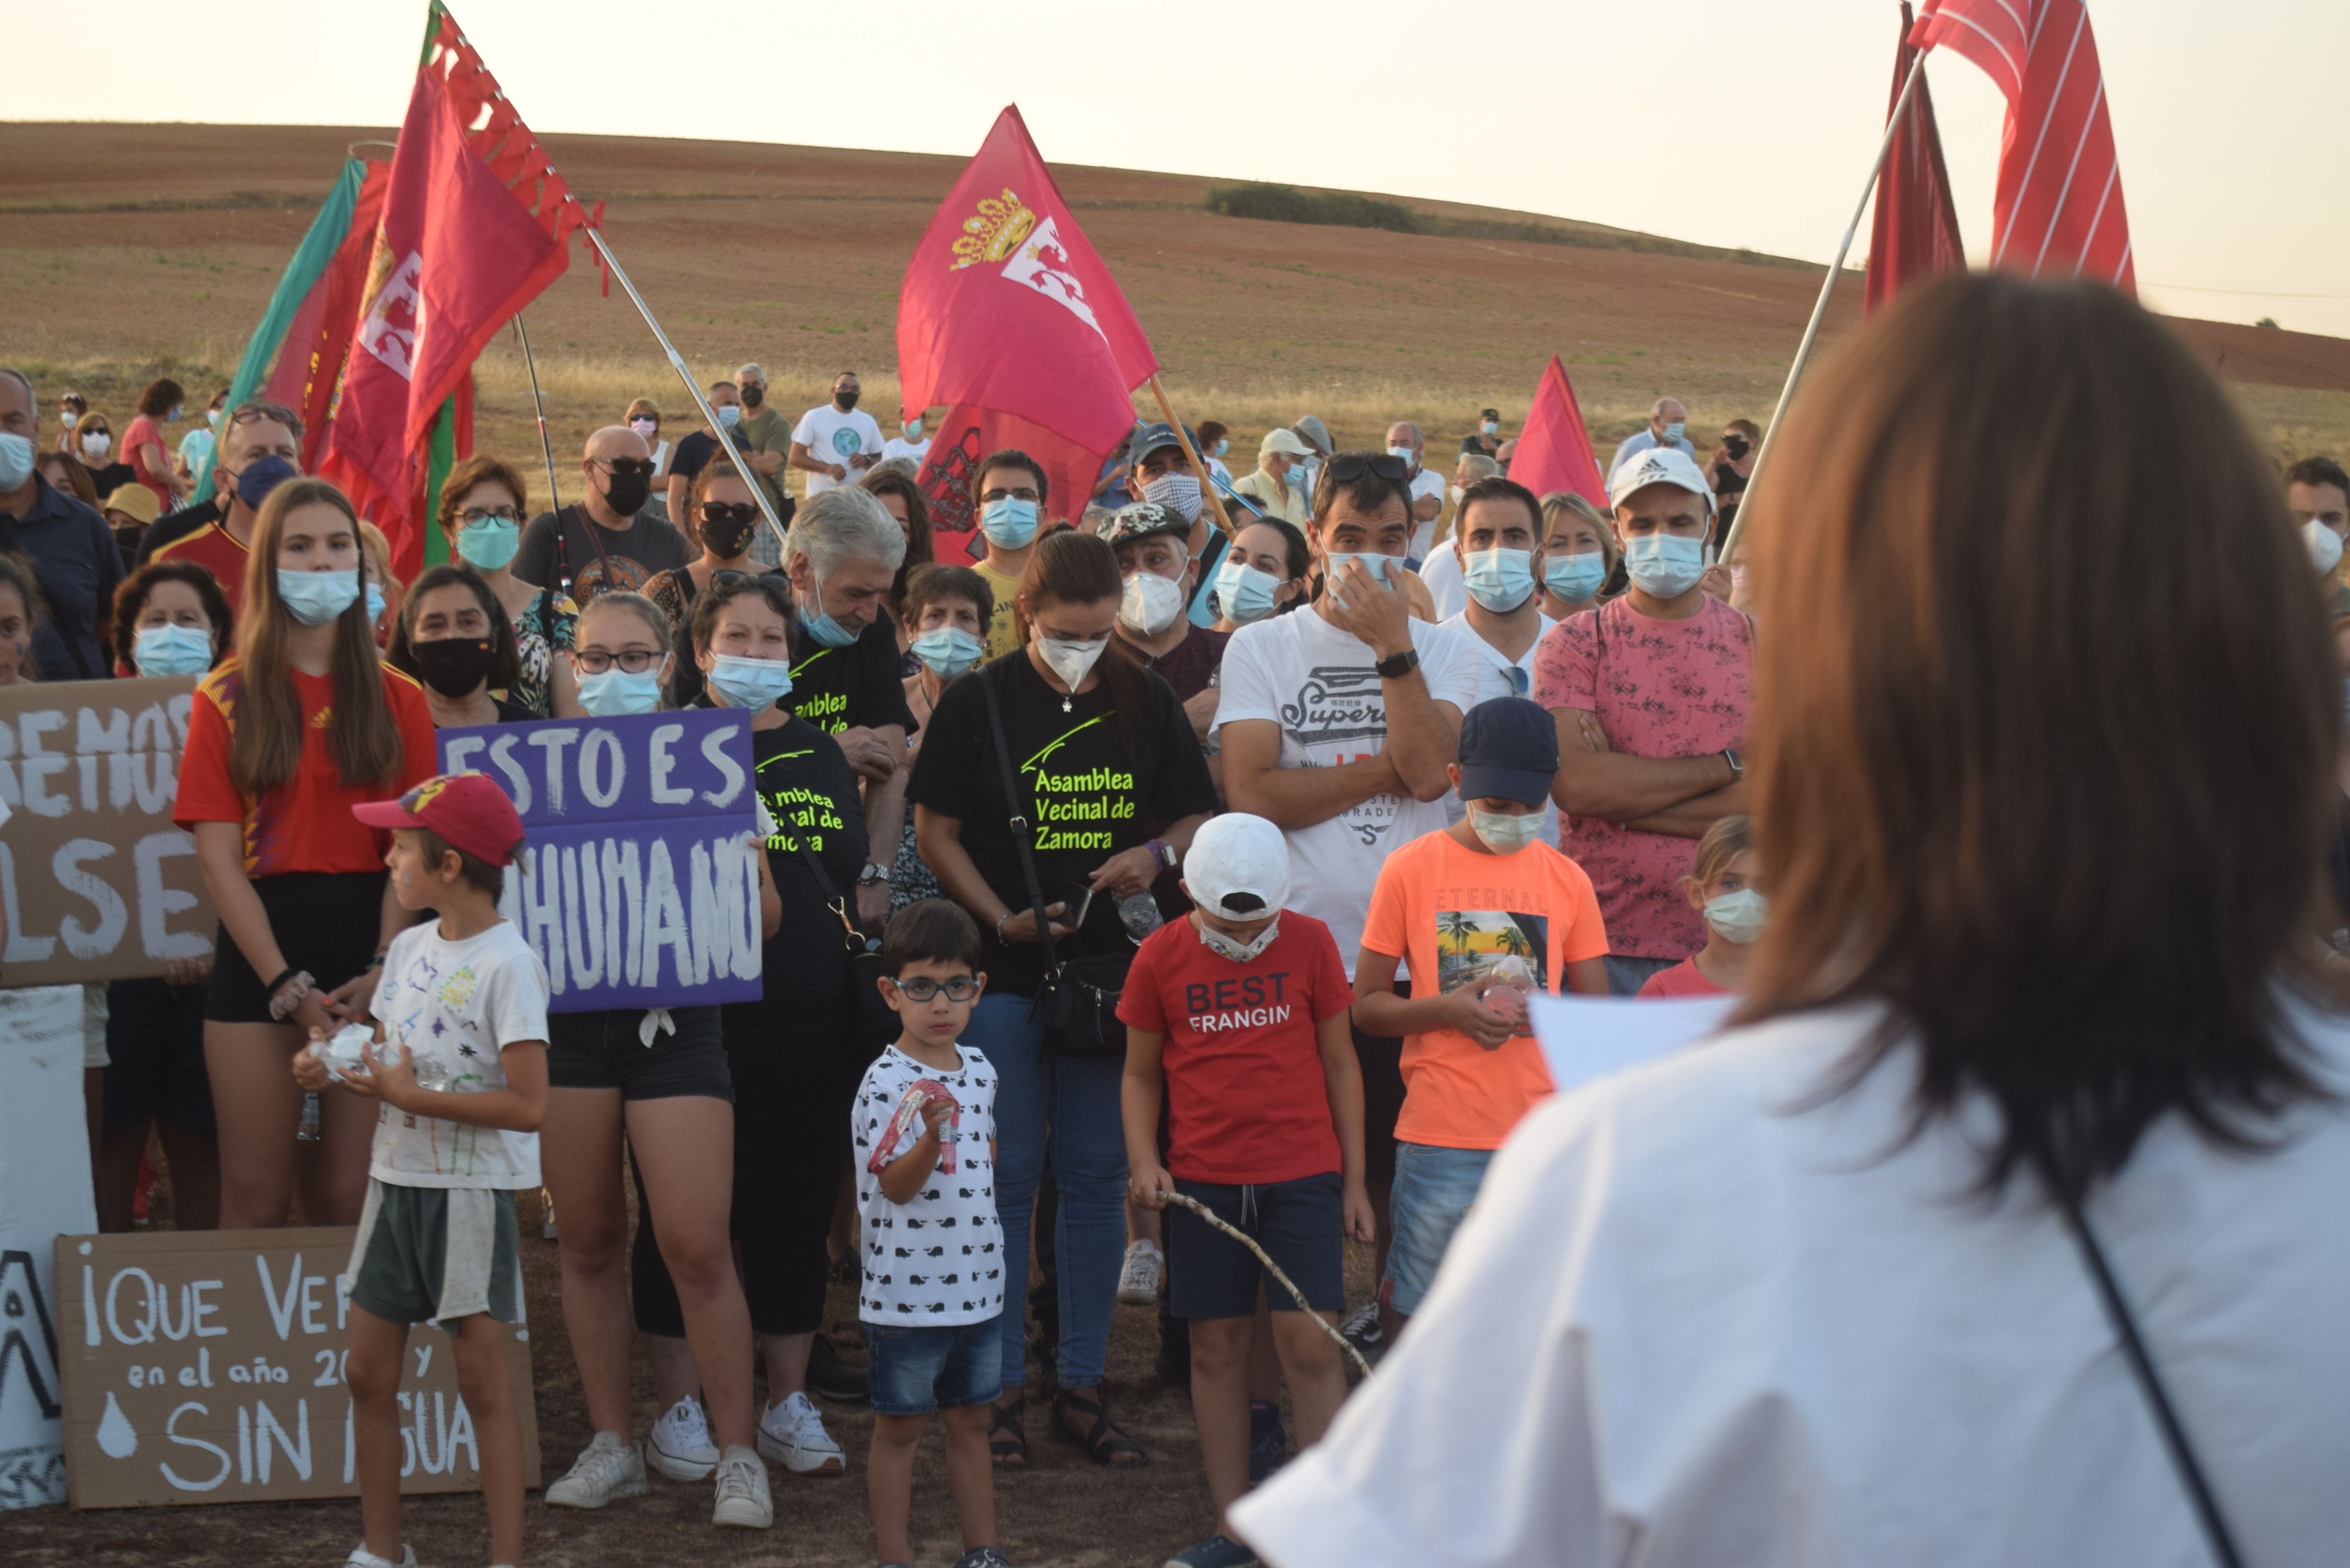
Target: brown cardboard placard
[
  {"x": 205, "y": 1367},
  {"x": 96, "y": 882}
]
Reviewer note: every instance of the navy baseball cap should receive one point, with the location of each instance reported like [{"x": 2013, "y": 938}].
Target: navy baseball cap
[
  {"x": 1154, "y": 438},
  {"x": 1508, "y": 748}
]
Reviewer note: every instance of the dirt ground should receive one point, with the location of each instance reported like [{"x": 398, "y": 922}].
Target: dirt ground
[{"x": 1064, "y": 1512}]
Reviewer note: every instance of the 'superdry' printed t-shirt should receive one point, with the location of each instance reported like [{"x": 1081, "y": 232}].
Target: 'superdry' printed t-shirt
[
  {"x": 1084, "y": 794},
  {"x": 1319, "y": 684}
]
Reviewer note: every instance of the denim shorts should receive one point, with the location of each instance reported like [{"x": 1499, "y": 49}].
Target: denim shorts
[
  {"x": 914, "y": 1371},
  {"x": 1298, "y": 1223},
  {"x": 1433, "y": 1189}
]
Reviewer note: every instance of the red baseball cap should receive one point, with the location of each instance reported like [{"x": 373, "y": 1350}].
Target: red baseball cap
[{"x": 468, "y": 811}]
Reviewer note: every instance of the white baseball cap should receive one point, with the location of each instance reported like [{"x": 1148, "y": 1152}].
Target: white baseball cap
[
  {"x": 1285, "y": 441},
  {"x": 1658, "y": 466},
  {"x": 1238, "y": 854}
]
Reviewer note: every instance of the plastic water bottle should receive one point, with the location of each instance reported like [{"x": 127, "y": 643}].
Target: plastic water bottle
[
  {"x": 1140, "y": 916},
  {"x": 308, "y": 1131}
]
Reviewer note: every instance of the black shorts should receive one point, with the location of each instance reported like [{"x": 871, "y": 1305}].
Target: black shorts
[
  {"x": 326, "y": 922},
  {"x": 1381, "y": 1056},
  {"x": 1298, "y": 1223},
  {"x": 155, "y": 1043},
  {"x": 607, "y": 1051}
]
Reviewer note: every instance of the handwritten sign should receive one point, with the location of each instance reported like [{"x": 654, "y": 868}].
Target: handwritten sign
[
  {"x": 96, "y": 883},
  {"x": 43, "y": 1191},
  {"x": 206, "y": 1367},
  {"x": 640, "y": 887}
]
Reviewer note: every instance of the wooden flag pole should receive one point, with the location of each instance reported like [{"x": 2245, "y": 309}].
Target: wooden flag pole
[
  {"x": 1207, "y": 486},
  {"x": 1820, "y": 307}
]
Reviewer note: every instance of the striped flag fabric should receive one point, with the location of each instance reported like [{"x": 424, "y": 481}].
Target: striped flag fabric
[{"x": 2058, "y": 211}]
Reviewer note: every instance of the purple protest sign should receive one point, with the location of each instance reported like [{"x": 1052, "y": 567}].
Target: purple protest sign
[{"x": 640, "y": 887}]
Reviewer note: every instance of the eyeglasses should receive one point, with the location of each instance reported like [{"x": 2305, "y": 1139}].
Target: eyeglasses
[
  {"x": 473, "y": 515},
  {"x": 1353, "y": 465},
  {"x": 594, "y": 661},
  {"x": 962, "y": 988},
  {"x": 620, "y": 465},
  {"x": 1025, "y": 493},
  {"x": 719, "y": 512}
]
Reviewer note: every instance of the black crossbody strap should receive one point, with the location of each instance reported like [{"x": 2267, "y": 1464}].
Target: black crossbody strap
[
  {"x": 2149, "y": 1381},
  {"x": 1020, "y": 829},
  {"x": 852, "y": 938}
]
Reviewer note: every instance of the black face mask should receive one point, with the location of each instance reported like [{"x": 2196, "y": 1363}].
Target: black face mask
[
  {"x": 1735, "y": 445},
  {"x": 753, "y": 395},
  {"x": 844, "y": 400},
  {"x": 453, "y": 666},
  {"x": 726, "y": 538},
  {"x": 626, "y": 492}
]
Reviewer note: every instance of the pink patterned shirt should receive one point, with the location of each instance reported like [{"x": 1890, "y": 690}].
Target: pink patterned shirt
[{"x": 1660, "y": 689}]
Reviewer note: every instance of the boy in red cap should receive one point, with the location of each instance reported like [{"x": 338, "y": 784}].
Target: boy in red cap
[{"x": 459, "y": 1064}]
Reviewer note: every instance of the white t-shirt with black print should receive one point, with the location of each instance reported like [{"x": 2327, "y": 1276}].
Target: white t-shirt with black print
[
  {"x": 937, "y": 1261},
  {"x": 1319, "y": 684},
  {"x": 456, "y": 1006}
]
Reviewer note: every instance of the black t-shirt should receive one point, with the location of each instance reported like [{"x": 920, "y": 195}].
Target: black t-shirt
[
  {"x": 810, "y": 792},
  {"x": 852, "y": 688},
  {"x": 686, "y": 459},
  {"x": 176, "y": 526},
  {"x": 1085, "y": 796},
  {"x": 588, "y": 557}
]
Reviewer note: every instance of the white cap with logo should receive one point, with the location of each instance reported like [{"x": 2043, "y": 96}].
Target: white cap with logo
[
  {"x": 1236, "y": 857},
  {"x": 1658, "y": 466}
]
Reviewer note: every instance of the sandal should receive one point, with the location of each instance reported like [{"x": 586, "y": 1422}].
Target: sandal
[
  {"x": 1010, "y": 1450},
  {"x": 1103, "y": 1442}
]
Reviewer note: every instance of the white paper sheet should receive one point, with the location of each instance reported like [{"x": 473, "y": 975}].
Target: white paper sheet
[{"x": 1586, "y": 1038}]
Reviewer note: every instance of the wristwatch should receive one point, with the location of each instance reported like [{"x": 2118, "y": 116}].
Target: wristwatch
[
  {"x": 1737, "y": 764},
  {"x": 1397, "y": 664},
  {"x": 1162, "y": 852},
  {"x": 871, "y": 873}
]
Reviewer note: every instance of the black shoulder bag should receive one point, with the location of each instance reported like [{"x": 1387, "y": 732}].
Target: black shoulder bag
[
  {"x": 1078, "y": 999},
  {"x": 872, "y": 1022}
]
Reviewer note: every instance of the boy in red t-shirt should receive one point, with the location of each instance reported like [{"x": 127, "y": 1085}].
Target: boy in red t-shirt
[{"x": 1239, "y": 1012}]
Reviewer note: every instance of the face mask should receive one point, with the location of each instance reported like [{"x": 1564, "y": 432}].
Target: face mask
[
  {"x": 948, "y": 650},
  {"x": 374, "y": 602},
  {"x": 1456, "y": 493},
  {"x": 1381, "y": 566},
  {"x": 1010, "y": 522},
  {"x": 645, "y": 428},
  {"x": 1739, "y": 917},
  {"x": 1179, "y": 492},
  {"x": 172, "y": 651},
  {"x": 1736, "y": 445},
  {"x": 1491, "y": 427},
  {"x": 1406, "y": 453},
  {"x": 1222, "y": 447},
  {"x": 1300, "y": 475},
  {"x": 1501, "y": 580},
  {"x": 211, "y": 418},
  {"x": 913, "y": 429},
  {"x": 752, "y": 396},
  {"x": 69, "y": 419},
  {"x": 627, "y": 492},
  {"x": 728, "y": 417},
  {"x": 15, "y": 460},
  {"x": 752, "y": 683},
  {"x": 1151, "y": 605},
  {"x": 314, "y": 598},
  {"x": 1244, "y": 593},
  {"x": 616, "y": 693},
  {"x": 97, "y": 445},
  {"x": 1664, "y": 565},
  {"x": 822, "y": 627},
  {"x": 453, "y": 666},
  {"x": 173, "y": 417},
  {"x": 1505, "y": 833},
  {"x": 844, "y": 401},
  {"x": 1071, "y": 661},
  {"x": 489, "y": 544},
  {"x": 254, "y": 486},
  {"x": 2324, "y": 544},
  {"x": 1232, "y": 947},
  {"x": 729, "y": 539},
  {"x": 1575, "y": 579},
  {"x": 1673, "y": 433}
]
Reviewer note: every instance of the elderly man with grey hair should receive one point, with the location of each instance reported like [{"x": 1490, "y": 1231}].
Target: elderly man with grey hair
[
  {"x": 1668, "y": 422},
  {"x": 766, "y": 437},
  {"x": 1405, "y": 440},
  {"x": 841, "y": 556}
]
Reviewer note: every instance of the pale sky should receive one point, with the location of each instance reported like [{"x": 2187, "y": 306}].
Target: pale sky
[{"x": 1747, "y": 124}]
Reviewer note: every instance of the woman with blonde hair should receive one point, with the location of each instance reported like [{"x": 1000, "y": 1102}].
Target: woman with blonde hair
[{"x": 1578, "y": 555}]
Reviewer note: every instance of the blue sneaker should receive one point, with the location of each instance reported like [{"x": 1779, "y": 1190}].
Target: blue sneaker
[
  {"x": 1268, "y": 1441},
  {"x": 1218, "y": 1551}
]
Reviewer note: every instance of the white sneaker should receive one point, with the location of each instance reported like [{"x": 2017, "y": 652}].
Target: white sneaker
[
  {"x": 1137, "y": 1283},
  {"x": 792, "y": 1434},
  {"x": 361, "y": 1557},
  {"x": 608, "y": 1468},
  {"x": 679, "y": 1447},
  {"x": 742, "y": 1498}
]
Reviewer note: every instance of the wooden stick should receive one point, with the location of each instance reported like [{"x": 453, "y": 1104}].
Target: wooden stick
[
  {"x": 1204, "y": 1212},
  {"x": 1207, "y": 486}
]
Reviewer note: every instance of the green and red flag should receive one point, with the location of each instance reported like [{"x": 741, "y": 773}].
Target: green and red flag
[{"x": 476, "y": 223}]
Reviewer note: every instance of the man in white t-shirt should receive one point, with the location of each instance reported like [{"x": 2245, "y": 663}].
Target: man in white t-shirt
[
  {"x": 1497, "y": 545},
  {"x": 836, "y": 442},
  {"x": 1441, "y": 569},
  {"x": 910, "y": 443},
  {"x": 1404, "y": 440}
]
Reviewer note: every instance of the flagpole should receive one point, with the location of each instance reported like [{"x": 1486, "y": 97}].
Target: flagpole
[
  {"x": 1820, "y": 307},
  {"x": 1207, "y": 486},
  {"x": 554, "y": 500},
  {"x": 693, "y": 390}
]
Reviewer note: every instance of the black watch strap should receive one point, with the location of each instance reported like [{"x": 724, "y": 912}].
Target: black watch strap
[{"x": 1397, "y": 664}]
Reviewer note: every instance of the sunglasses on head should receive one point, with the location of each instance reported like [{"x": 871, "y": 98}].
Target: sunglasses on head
[
  {"x": 1354, "y": 464},
  {"x": 719, "y": 512}
]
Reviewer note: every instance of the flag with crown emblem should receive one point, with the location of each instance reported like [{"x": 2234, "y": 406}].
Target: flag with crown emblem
[{"x": 1008, "y": 316}]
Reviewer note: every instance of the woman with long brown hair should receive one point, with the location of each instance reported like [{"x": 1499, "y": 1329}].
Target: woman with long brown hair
[
  {"x": 2005, "y": 1226},
  {"x": 284, "y": 738}
]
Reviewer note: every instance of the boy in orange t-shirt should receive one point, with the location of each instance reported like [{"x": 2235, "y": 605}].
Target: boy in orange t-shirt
[{"x": 1484, "y": 912}]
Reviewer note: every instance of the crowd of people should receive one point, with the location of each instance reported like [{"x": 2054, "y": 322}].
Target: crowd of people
[{"x": 1207, "y": 863}]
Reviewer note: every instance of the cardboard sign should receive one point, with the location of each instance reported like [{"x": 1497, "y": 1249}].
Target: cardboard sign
[
  {"x": 640, "y": 885},
  {"x": 207, "y": 1367},
  {"x": 95, "y": 881},
  {"x": 44, "y": 1190}
]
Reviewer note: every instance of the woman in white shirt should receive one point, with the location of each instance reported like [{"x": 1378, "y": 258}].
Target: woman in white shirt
[{"x": 2042, "y": 775}]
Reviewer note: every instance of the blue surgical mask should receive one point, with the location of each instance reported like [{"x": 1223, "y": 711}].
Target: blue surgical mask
[
  {"x": 172, "y": 651},
  {"x": 211, "y": 418},
  {"x": 729, "y": 416},
  {"x": 261, "y": 477},
  {"x": 173, "y": 417},
  {"x": 1222, "y": 447},
  {"x": 374, "y": 601},
  {"x": 1009, "y": 523},
  {"x": 1664, "y": 565},
  {"x": 616, "y": 693},
  {"x": 1300, "y": 475},
  {"x": 15, "y": 460},
  {"x": 913, "y": 429},
  {"x": 1383, "y": 568},
  {"x": 949, "y": 651},
  {"x": 752, "y": 683},
  {"x": 821, "y": 625},
  {"x": 1404, "y": 453},
  {"x": 1575, "y": 579},
  {"x": 490, "y": 543},
  {"x": 314, "y": 598},
  {"x": 1244, "y": 593},
  {"x": 1500, "y": 580},
  {"x": 1674, "y": 431}
]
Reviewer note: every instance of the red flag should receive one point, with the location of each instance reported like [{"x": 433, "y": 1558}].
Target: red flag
[
  {"x": 475, "y": 224},
  {"x": 2058, "y": 211},
  {"x": 1915, "y": 230},
  {"x": 967, "y": 435},
  {"x": 1555, "y": 449},
  {"x": 1007, "y": 312},
  {"x": 318, "y": 341}
]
